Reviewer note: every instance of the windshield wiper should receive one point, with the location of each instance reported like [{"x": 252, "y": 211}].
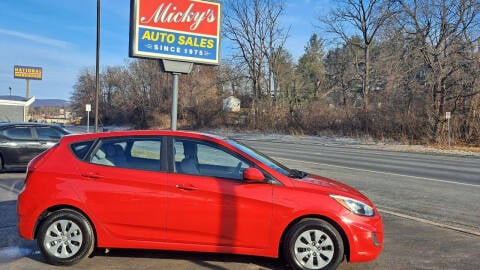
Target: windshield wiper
[{"x": 297, "y": 174}]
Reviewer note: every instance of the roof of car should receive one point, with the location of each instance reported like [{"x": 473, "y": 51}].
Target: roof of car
[
  {"x": 128, "y": 133},
  {"x": 3, "y": 124}
]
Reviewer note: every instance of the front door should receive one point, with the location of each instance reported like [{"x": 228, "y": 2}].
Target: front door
[
  {"x": 208, "y": 203},
  {"x": 22, "y": 146},
  {"x": 47, "y": 136}
]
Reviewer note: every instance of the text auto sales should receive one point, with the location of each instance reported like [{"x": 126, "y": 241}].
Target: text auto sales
[
  {"x": 176, "y": 43},
  {"x": 170, "y": 38}
]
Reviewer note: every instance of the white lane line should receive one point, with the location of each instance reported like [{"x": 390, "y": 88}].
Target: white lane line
[
  {"x": 384, "y": 173},
  {"x": 10, "y": 189},
  {"x": 426, "y": 221}
]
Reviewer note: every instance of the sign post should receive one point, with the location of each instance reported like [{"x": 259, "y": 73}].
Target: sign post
[
  {"x": 27, "y": 73},
  {"x": 88, "y": 109},
  {"x": 178, "y": 32},
  {"x": 176, "y": 68},
  {"x": 448, "y": 115}
]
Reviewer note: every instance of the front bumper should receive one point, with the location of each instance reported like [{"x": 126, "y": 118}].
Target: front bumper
[{"x": 366, "y": 241}]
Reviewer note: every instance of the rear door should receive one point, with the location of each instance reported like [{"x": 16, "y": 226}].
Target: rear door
[
  {"x": 47, "y": 136},
  {"x": 123, "y": 184}
]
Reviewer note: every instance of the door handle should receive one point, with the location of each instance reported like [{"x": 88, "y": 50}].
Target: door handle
[
  {"x": 187, "y": 187},
  {"x": 91, "y": 175}
]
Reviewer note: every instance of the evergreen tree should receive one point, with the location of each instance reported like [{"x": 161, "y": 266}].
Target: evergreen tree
[{"x": 311, "y": 67}]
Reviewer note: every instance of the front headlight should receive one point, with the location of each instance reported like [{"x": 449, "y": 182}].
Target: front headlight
[{"x": 355, "y": 206}]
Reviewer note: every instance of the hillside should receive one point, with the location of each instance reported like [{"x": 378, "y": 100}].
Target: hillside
[{"x": 50, "y": 103}]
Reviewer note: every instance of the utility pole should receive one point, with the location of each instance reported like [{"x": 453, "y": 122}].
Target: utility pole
[{"x": 97, "y": 67}]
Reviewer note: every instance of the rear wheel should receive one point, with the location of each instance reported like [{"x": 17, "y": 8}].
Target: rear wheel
[
  {"x": 313, "y": 244},
  {"x": 65, "y": 237},
  {"x": 1, "y": 162}
]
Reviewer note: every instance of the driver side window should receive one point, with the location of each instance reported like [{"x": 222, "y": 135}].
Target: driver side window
[{"x": 198, "y": 158}]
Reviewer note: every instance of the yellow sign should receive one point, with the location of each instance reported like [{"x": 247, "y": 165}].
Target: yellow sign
[{"x": 24, "y": 72}]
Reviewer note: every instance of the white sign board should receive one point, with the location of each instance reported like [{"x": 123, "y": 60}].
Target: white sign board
[
  {"x": 448, "y": 115},
  {"x": 88, "y": 107}
]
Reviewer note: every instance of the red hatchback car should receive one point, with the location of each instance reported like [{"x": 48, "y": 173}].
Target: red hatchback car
[{"x": 193, "y": 192}]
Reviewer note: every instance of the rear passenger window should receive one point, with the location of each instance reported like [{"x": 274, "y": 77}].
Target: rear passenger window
[
  {"x": 131, "y": 153},
  {"x": 48, "y": 133},
  {"x": 146, "y": 149},
  {"x": 81, "y": 149}
]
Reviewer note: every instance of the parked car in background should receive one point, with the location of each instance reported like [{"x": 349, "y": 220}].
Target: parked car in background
[
  {"x": 21, "y": 142},
  {"x": 189, "y": 191}
]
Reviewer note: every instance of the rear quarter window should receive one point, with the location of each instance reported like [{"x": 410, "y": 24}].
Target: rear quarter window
[
  {"x": 48, "y": 133},
  {"x": 80, "y": 149}
]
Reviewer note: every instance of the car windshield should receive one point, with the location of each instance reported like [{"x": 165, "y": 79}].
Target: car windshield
[{"x": 262, "y": 158}]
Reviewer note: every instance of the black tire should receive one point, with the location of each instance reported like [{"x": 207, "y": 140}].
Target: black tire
[
  {"x": 1, "y": 162},
  {"x": 313, "y": 244},
  {"x": 65, "y": 237}
]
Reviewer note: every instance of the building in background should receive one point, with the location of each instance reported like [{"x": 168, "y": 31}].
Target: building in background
[
  {"x": 231, "y": 104},
  {"x": 14, "y": 108}
]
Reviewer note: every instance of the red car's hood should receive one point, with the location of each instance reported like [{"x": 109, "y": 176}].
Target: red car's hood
[{"x": 316, "y": 182}]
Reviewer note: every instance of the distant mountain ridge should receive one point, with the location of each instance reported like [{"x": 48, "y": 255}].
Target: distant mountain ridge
[
  {"x": 40, "y": 102},
  {"x": 50, "y": 103}
]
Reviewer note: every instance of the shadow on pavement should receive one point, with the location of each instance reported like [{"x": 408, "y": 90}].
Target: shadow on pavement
[
  {"x": 12, "y": 246},
  {"x": 202, "y": 260}
]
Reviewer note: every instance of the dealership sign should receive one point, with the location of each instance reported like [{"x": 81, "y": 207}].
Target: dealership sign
[
  {"x": 25, "y": 72},
  {"x": 187, "y": 30}
]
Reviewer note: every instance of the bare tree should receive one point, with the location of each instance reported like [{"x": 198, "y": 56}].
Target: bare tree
[
  {"x": 343, "y": 78},
  {"x": 147, "y": 92},
  {"x": 114, "y": 86},
  {"x": 83, "y": 91},
  {"x": 365, "y": 17},
  {"x": 253, "y": 27},
  {"x": 445, "y": 33},
  {"x": 200, "y": 101}
]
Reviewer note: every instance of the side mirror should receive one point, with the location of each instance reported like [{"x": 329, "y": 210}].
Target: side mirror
[{"x": 253, "y": 175}]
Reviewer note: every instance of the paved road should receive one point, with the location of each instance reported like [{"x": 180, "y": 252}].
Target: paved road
[
  {"x": 452, "y": 168},
  {"x": 442, "y": 189},
  {"x": 433, "y": 204}
]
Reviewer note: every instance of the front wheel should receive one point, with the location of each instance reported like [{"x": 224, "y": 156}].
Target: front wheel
[
  {"x": 65, "y": 237},
  {"x": 313, "y": 244}
]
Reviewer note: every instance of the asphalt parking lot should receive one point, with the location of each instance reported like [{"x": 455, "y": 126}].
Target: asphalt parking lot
[
  {"x": 440, "y": 249},
  {"x": 409, "y": 244}
]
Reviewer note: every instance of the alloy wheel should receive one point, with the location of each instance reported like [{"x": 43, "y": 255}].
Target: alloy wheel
[
  {"x": 314, "y": 249},
  {"x": 63, "y": 239}
]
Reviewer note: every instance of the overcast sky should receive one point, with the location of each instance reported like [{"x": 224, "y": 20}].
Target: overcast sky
[{"x": 60, "y": 36}]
